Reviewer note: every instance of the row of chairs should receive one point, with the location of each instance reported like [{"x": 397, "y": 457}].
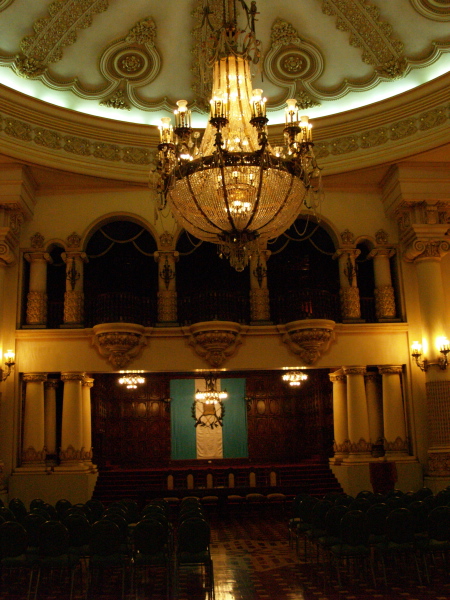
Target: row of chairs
[
  {"x": 373, "y": 531},
  {"x": 91, "y": 538}
]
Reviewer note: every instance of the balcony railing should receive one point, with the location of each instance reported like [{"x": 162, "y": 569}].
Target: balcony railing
[
  {"x": 212, "y": 306},
  {"x": 119, "y": 307},
  {"x": 307, "y": 304}
]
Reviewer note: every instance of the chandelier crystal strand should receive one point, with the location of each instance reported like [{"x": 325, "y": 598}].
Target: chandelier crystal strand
[{"x": 234, "y": 190}]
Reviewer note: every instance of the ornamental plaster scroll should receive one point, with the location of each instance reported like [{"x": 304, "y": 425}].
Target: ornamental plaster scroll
[
  {"x": 4, "y": 4},
  {"x": 9, "y": 238},
  {"x": 309, "y": 338},
  {"x": 426, "y": 249},
  {"x": 293, "y": 64},
  {"x": 53, "y": 33},
  {"x": 119, "y": 342},
  {"x": 369, "y": 33},
  {"x": 215, "y": 341},
  {"x": 436, "y": 10}
]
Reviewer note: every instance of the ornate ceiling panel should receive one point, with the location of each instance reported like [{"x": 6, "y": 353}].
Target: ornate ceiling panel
[{"x": 132, "y": 61}]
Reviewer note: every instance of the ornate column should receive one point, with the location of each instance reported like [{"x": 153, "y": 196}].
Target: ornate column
[
  {"x": 37, "y": 294},
  {"x": 167, "y": 293},
  {"x": 358, "y": 418},
  {"x": 395, "y": 439},
  {"x": 34, "y": 451},
  {"x": 259, "y": 293},
  {"x": 340, "y": 416},
  {"x": 50, "y": 387},
  {"x": 74, "y": 296},
  {"x": 86, "y": 386},
  {"x": 384, "y": 292},
  {"x": 375, "y": 411},
  {"x": 72, "y": 437},
  {"x": 349, "y": 292}
]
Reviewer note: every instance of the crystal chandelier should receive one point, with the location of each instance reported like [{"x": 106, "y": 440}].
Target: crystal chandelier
[
  {"x": 233, "y": 189},
  {"x": 295, "y": 378},
  {"x": 131, "y": 379},
  {"x": 210, "y": 395}
]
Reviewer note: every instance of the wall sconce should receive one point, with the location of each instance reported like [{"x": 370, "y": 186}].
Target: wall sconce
[
  {"x": 9, "y": 364},
  {"x": 424, "y": 364}
]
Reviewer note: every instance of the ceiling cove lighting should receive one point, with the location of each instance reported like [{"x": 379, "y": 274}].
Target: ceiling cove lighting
[{"x": 232, "y": 188}]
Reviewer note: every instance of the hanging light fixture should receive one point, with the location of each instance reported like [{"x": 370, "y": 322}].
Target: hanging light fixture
[
  {"x": 295, "y": 378},
  {"x": 210, "y": 395},
  {"x": 233, "y": 189},
  {"x": 131, "y": 379}
]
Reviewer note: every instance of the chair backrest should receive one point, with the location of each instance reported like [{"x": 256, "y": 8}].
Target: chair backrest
[
  {"x": 305, "y": 508},
  {"x": 96, "y": 507},
  {"x": 149, "y": 537},
  {"x": 79, "y": 529},
  {"x": 354, "y": 529},
  {"x": 318, "y": 513},
  {"x": 13, "y": 539},
  {"x": 344, "y": 500},
  {"x": 193, "y": 536},
  {"x": 400, "y": 526},
  {"x": 18, "y": 508},
  {"x": 120, "y": 521},
  {"x": 361, "y": 503},
  {"x": 105, "y": 538},
  {"x": 7, "y": 514},
  {"x": 376, "y": 518},
  {"x": 333, "y": 518},
  {"x": 53, "y": 539},
  {"x": 32, "y": 523},
  {"x": 438, "y": 523},
  {"x": 423, "y": 493},
  {"x": 62, "y": 506},
  {"x": 420, "y": 513}
]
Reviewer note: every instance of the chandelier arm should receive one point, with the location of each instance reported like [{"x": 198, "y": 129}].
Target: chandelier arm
[{"x": 224, "y": 188}]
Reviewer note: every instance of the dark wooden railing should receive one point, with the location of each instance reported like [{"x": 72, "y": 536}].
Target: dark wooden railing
[
  {"x": 120, "y": 308},
  {"x": 307, "y": 304},
  {"x": 212, "y": 306}
]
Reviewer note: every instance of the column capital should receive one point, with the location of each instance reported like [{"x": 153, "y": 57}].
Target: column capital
[
  {"x": 34, "y": 377},
  {"x": 390, "y": 369},
  {"x": 381, "y": 251},
  {"x": 354, "y": 370},
  {"x": 38, "y": 256},
  {"x": 426, "y": 249},
  {"x": 372, "y": 377},
  {"x": 51, "y": 383},
  {"x": 347, "y": 251},
  {"x": 337, "y": 376},
  {"x": 73, "y": 255},
  {"x": 87, "y": 382},
  {"x": 72, "y": 376}
]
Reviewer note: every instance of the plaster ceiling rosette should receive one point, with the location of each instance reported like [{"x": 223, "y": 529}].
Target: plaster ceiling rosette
[
  {"x": 119, "y": 342},
  {"x": 309, "y": 338},
  {"x": 215, "y": 341}
]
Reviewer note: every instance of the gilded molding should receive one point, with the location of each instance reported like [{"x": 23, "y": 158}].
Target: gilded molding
[
  {"x": 4, "y": 4},
  {"x": 36, "y": 308},
  {"x": 215, "y": 341},
  {"x": 167, "y": 306},
  {"x": 259, "y": 304},
  {"x": 31, "y": 455},
  {"x": 354, "y": 370},
  {"x": 436, "y": 10},
  {"x": 359, "y": 447},
  {"x": 73, "y": 306},
  {"x": 350, "y": 303},
  {"x": 385, "y": 302},
  {"x": 71, "y": 454},
  {"x": 398, "y": 445},
  {"x": 390, "y": 369},
  {"x": 337, "y": 378},
  {"x": 72, "y": 376},
  {"x": 309, "y": 338},
  {"x": 34, "y": 377}
]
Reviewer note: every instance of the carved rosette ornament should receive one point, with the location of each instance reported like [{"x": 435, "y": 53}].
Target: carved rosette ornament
[
  {"x": 167, "y": 306},
  {"x": 215, "y": 341},
  {"x": 259, "y": 305},
  {"x": 350, "y": 304},
  {"x": 385, "y": 302},
  {"x": 73, "y": 307},
  {"x": 309, "y": 338},
  {"x": 119, "y": 342},
  {"x": 36, "y": 308}
]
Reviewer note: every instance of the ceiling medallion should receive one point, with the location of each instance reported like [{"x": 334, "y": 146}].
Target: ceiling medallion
[
  {"x": 309, "y": 338},
  {"x": 232, "y": 188}
]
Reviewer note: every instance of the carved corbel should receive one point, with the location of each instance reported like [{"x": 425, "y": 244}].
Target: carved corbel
[
  {"x": 119, "y": 342},
  {"x": 309, "y": 338},
  {"x": 215, "y": 341}
]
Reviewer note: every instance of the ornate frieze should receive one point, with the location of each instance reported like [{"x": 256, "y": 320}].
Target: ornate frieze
[
  {"x": 36, "y": 308},
  {"x": 309, "y": 339},
  {"x": 398, "y": 446},
  {"x": 167, "y": 306},
  {"x": 259, "y": 304},
  {"x": 215, "y": 341},
  {"x": 31, "y": 455},
  {"x": 34, "y": 377},
  {"x": 119, "y": 342},
  {"x": 360, "y": 447},
  {"x": 72, "y": 454},
  {"x": 385, "y": 302}
]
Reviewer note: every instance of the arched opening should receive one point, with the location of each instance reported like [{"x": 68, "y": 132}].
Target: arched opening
[
  {"x": 302, "y": 277},
  {"x": 56, "y": 287},
  {"x": 121, "y": 276},
  {"x": 208, "y": 288},
  {"x": 366, "y": 281}
]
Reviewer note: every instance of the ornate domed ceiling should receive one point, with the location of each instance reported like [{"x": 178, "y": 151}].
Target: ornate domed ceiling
[{"x": 131, "y": 61}]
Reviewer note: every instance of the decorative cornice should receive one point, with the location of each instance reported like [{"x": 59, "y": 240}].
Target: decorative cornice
[
  {"x": 390, "y": 369},
  {"x": 309, "y": 338},
  {"x": 119, "y": 342},
  {"x": 35, "y": 377},
  {"x": 72, "y": 376},
  {"x": 215, "y": 341},
  {"x": 354, "y": 370},
  {"x": 436, "y": 10}
]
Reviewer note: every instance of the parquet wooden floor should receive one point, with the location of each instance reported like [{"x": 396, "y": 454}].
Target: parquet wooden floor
[{"x": 253, "y": 561}]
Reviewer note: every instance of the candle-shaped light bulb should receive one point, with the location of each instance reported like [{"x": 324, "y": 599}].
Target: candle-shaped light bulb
[
  {"x": 306, "y": 129},
  {"x": 291, "y": 112},
  {"x": 416, "y": 348},
  {"x": 258, "y": 104},
  {"x": 182, "y": 114},
  {"x": 165, "y": 130},
  {"x": 9, "y": 357}
]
